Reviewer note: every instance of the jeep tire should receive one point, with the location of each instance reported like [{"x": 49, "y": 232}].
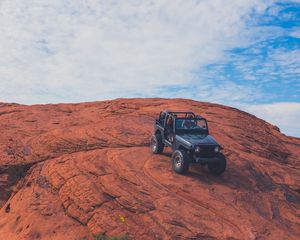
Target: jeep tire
[
  {"x": 156, "y": 144},
  {"x": 180, "y": 161},
  {"x": 219, "y": 166}
]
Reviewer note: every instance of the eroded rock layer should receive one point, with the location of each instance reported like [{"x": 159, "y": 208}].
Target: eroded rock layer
[{"x": 73, "y": 171}]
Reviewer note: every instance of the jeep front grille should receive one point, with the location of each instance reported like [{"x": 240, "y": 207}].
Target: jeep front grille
[{"x": 206, "y": 151}]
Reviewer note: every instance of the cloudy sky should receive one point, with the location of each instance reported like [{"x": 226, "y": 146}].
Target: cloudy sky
[{"x": 242, "y": 53}]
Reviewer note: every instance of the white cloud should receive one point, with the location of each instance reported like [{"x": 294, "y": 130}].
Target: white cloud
[
  {"x": 286, "y": 115},
  {"x": 61, "y": 51},
  {"x": 228, "y": 93},
  {"x": 279, "y": 64},
  {"x": 295, "y": 33}
]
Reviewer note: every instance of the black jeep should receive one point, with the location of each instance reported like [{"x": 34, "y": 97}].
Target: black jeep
[{"x": 187, "y": 134}]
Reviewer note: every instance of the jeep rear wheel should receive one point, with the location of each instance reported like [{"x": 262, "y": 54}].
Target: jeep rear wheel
[
  {"x": 219, "y": 166},
  {"x": 180, "y": 161},
  {"x": 156, "y": 144}
]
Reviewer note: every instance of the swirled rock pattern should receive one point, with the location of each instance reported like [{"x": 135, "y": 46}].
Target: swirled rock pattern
[{"x": 73, "y": 171}]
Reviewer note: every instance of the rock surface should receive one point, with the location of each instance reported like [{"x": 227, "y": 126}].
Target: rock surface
[{"x": 71, "y": 171}]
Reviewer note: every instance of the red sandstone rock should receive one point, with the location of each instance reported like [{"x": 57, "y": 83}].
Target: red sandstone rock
[{"x": 70, "y": 171}]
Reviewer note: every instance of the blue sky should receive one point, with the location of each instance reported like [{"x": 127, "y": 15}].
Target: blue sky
[{"x": 242, "y": 53}]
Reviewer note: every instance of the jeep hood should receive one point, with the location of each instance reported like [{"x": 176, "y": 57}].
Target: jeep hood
[{"x": 197, "y": 139}]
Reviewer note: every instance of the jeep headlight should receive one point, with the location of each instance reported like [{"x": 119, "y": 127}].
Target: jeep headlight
[
  {"x": 217, "y": 149},
  {"x": 197, "y": 149}
]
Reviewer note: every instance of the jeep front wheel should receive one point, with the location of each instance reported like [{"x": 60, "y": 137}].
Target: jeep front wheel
[
  {"x": 180, "y": 161},
  {"x": 156, "y": 144},
  {"x": 219, "y": 166}
]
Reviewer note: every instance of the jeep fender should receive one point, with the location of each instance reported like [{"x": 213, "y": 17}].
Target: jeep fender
[{"x": 182, "y": 143}]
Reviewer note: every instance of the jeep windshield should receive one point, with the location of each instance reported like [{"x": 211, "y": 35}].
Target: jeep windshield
[{"x": 191, "y": 126}]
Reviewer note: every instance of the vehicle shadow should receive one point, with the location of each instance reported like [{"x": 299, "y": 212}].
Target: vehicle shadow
[
  {"x": 239, "y": 175},
  {"x": 245, "y": 177}
]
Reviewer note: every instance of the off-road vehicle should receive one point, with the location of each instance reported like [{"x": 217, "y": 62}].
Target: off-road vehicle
[{"x": 188, "y": 136}]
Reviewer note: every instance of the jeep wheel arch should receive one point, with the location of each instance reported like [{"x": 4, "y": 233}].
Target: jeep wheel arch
[
  {"x": 158, "y": 132},
  {"x": 182, "y": 148}
]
